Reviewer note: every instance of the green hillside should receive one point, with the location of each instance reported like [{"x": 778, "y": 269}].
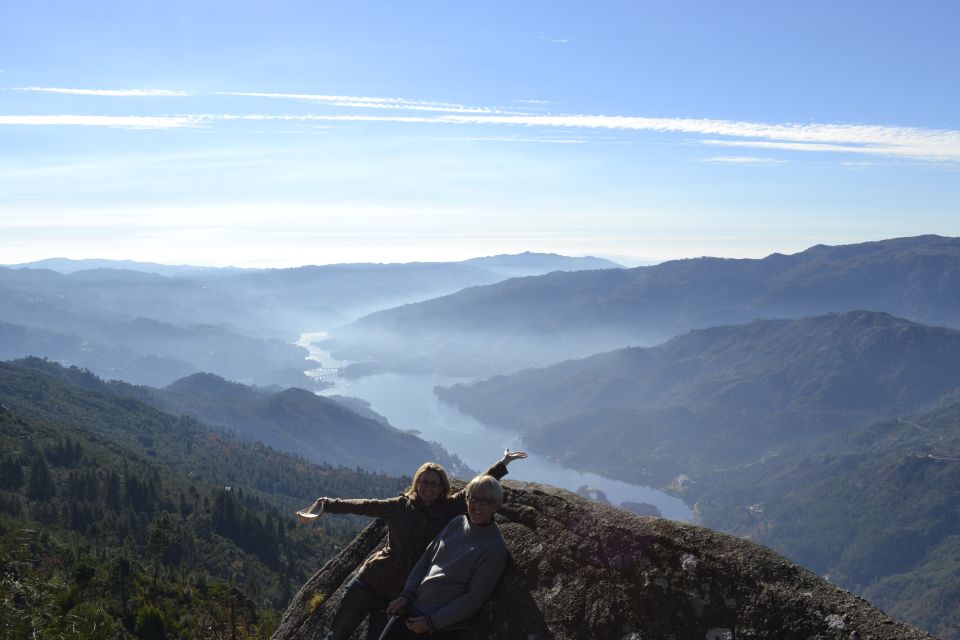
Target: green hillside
[
  {"x": 295, "y": 420},
  {"x": 876, "y": 508},
  {"x": 815, "y": 437},
  {"x": 117, "y": 520},
  {"x": 720, "y": 396}
]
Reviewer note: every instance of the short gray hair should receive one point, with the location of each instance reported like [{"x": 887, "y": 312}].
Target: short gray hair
[{"x": 488, "y": 487}]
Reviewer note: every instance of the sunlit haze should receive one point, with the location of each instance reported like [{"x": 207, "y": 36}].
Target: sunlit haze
[{"x": 288, "y": 133}]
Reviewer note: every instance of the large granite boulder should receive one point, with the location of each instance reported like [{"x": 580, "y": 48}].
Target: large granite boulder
[{"x": 581, "y": 570}]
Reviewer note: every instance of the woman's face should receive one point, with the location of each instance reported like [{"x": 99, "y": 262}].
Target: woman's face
[
  {"x": 429, "y": 486},
  {"x": 480, "y": 508}
]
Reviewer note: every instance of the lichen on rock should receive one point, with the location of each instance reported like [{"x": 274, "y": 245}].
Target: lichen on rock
[{"x": 582, "y": 570}]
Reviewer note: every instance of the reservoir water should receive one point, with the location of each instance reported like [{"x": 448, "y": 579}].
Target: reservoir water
[{"x": 408, "y": 402}]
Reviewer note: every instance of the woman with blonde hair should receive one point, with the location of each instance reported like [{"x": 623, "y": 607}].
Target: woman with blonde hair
[{"x": 413, "y": 519}]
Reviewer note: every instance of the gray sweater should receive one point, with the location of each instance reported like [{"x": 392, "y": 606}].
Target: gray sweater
[{"x": 456, "y": 573}]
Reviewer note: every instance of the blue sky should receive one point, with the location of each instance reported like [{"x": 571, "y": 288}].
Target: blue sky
[{"x": 283, "y": 133}]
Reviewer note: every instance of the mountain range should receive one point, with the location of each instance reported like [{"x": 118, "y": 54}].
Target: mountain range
[
  {"x": 152, "y": 324},
  {"x": 807, "y": 401},
  {"x": 117, "y": 519},
  {"x": 834, "y": 439},
  {"x": 721, "y": 396},
  {"x": 537, "y": 320}
]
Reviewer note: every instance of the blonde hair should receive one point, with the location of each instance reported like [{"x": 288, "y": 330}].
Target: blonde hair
[
  {"x": 488, "y": 486},
  {"x": 411, "y": 491}
]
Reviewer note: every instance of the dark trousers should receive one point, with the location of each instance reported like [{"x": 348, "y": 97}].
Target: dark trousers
[
  {"x": 358, "y": 601},
  {"x": 396, "y": 629}
]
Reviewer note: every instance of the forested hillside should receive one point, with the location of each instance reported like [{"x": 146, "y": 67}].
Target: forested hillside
[
  {"x": 875, "y": 508},
  {"x": 119, "y": 520},
  {"x": 813, "y": 436},
  {"x": 721, "y": 396},
  {"x": 297, "y": 420},
  {"x": 319, "y": 429}
]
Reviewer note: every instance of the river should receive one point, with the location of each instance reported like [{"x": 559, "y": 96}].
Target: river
[{"x": 408, "y": 402}]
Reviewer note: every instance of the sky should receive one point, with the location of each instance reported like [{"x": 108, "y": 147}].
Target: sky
[{"x": 281, "y": 133}]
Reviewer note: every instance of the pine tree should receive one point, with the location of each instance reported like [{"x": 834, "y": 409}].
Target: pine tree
[
  {"x": 41, "y": 487},
  {"x": 11, "y": 473}
]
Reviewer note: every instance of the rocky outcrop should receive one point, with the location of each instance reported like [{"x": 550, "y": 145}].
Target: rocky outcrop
[{"x": 582, "y": 570}]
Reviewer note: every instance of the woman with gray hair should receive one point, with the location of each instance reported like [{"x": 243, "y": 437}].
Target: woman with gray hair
[{"x": 457, "y": 572}]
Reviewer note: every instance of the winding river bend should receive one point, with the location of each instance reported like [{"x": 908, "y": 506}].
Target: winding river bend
[{"x": 408, "y": 402}]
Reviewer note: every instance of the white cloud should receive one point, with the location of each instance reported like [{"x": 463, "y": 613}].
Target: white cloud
[
  {"x": 152, "y": 93},
  {"x": 914, "y": 143},
  {"x": 743, "y": 160},
  {"x": 784, "y": 146},
  {"x": 310, "y": 117},
  {"x": 125, "y": 122},
  {"x": 902, "y": 142},
  {"x": 927, "y": 144},
  {"x": 521, "y": 139},
  {"x": 368, "y": 102}
]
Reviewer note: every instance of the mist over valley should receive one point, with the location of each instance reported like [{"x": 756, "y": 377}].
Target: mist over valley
[{"x": 534, "y": 321}]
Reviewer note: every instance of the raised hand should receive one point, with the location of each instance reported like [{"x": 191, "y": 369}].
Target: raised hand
[
  {"x": 510, "y": 456},
  {"x": 311, "y": 513}
]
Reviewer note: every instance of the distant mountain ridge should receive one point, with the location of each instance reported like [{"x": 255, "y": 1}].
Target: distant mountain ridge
[
  {"x": 541, "y": 319},
  {"x": 527, "y": 262},
  {"x": 144, "y": 328},
  {"x": 151, "y": 324},
  {"x": 70, "y": 265},
  {"x": 723, "y": 395}
]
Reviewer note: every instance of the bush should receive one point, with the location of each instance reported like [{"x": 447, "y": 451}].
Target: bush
[{"x": 151, "y": 624}]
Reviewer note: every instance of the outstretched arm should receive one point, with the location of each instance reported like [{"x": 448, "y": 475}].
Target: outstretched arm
[
  {"x": 360, "y": 507},
  {"x": 499, "y": 468}
]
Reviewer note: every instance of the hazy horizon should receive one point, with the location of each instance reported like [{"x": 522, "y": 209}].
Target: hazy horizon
[{"x": 623, "y": 261}]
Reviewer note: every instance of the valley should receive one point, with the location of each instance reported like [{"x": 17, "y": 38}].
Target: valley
[{"x": 409, "y": 402}]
